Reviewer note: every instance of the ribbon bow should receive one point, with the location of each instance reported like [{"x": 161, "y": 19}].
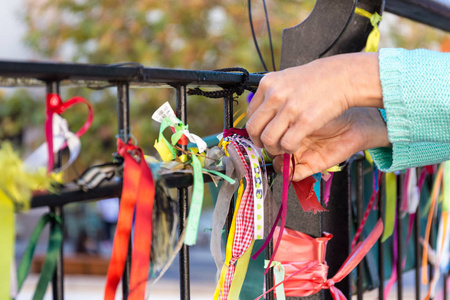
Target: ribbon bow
[
  {"x": 305, "y": 267},
  {"x": 54, "y": 105}
]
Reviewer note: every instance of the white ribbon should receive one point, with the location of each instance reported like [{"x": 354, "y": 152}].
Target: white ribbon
[
  {"x": 413, "y": 192},
  {"x": 61, "y": 136}
]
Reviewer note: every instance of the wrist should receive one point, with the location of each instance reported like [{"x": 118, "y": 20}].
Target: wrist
[
  {"x": 373, "y": 126},
  {"x": 363, "y": 80}
]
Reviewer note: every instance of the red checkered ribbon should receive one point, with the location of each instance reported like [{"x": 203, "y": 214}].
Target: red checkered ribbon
[{"x": 244, "y": 224}]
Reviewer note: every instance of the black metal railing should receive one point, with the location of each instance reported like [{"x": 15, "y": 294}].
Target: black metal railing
[{"x": 345, "y": 192}]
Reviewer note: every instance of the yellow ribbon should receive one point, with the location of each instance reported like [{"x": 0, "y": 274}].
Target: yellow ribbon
[
  {"x": 7, "y": 231},
  {"x": 335, "y": 168},
  {"x": 240, "y": 273},
  {"x": 368, "y": 157},
  {"x": 391, "y": 200},
  {"x": 374, "y": 36},
  {"x": 16, "y": 187},
  {"x": 229, "y": 248},
  {"x": 239, "y": 119}
]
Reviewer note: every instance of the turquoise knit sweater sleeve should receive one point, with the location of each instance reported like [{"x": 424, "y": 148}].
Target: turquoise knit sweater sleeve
[{"x": 416, "y": 97}]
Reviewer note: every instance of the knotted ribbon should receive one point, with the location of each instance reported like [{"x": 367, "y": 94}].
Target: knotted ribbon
[
  {"x": 242, "y": 228},
  {"x": 138, "y": 193},
  {"x": 303, "y": 259},
  {"x": 374, "y": 36},
  {"x": 54, "y": 105}
]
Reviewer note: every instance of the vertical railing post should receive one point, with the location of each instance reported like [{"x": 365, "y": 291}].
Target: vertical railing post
[
  {"x": 227, "y": 124},
  {"x": 181, "y": 112},
  {"x": 359, "y": 205},
  {"x": 444, "y": 285},
  {"x": 123, "y": 120},
  {"x": 339, "y": 212},
  {"x": 381, "y": 212},
  {"x": 58, "y": 277},
  {"x": 417, "y": 252},
  {"x": 399, "y": 237},
  {"x": 269, "y": 251}
]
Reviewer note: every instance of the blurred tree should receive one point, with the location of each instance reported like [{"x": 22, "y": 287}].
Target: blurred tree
[{"x": 198, "y": 34}]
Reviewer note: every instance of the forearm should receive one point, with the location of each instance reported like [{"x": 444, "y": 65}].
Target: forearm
[{"x": 416, "y": 95}]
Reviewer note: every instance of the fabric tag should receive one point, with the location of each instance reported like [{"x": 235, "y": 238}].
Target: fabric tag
[{"x": 164, "y": 111}]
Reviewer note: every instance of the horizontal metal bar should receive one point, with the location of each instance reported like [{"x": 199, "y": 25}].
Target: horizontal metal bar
[
  {"x": 48, "y": 71},
  {"x": 435, "y": 13},
  {"x": 72, "y": 193}
]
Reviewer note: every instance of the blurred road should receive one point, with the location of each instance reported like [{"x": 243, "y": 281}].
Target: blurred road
[{"x": 202, "y": 271}]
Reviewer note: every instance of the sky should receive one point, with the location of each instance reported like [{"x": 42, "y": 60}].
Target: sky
[{"x": 12, "y": 30}]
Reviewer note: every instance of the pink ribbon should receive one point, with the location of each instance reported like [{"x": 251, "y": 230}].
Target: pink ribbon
[{"x": 303, "y": 258}]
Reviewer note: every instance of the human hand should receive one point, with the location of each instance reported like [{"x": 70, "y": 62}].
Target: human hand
[
  {"x": 291, "y": 104},
  {"x": 357, "y": 129}
]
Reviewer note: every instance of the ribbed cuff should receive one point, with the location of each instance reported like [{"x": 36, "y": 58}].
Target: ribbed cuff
[
  {"x": 392, "y": 159},
  {"x": 399, "y": 127},
  {"x": 407, "y": 155}
]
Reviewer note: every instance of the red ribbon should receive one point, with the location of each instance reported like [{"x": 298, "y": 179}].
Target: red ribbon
[
  {"x": 239, "y": 131},
  {"x": 138, "y": 191},
  {"x": 54, "y": 105},
  {"x": 303, "y": 259},
  {"x": 306, "y": 195}
]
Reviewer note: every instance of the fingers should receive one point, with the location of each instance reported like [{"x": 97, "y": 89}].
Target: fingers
[
  {"x": 258, "y": 115},
  {"x": 278, "y": 163},
  {"x": 257, "y": 123},
  {"x": 301, "y": 171},
  {"x": 274, "y": 131}
]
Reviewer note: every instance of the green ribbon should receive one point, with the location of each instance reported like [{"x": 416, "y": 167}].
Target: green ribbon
[
  {"x": 391, "y": 200},
  {"x": 446, "y": 185},
  {"x": 278, "y": 272},
  {"x": 179, "y": 131},
  {"x": 223, "y": 176},
  {"x": 54, "y": 246},
  {"x": 196, "y": 203},
  {"x": 166, "y": 122}
]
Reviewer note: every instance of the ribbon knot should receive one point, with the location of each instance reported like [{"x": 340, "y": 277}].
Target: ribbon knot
[
  {"x": 55, "y": 103},
  {"x": 128, "y": 148},
  {"x": 329, "y": 283},
  {"x": 375, "y": 18},
  {"x": 53, "y": 217}
]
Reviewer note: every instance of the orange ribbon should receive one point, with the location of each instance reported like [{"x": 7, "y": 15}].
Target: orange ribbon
[
  {"x": 303, "y": 258},
  {"x": 138, "y": 191}
]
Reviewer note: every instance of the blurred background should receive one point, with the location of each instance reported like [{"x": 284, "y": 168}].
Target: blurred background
[{"x": 195, "y": 34}]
